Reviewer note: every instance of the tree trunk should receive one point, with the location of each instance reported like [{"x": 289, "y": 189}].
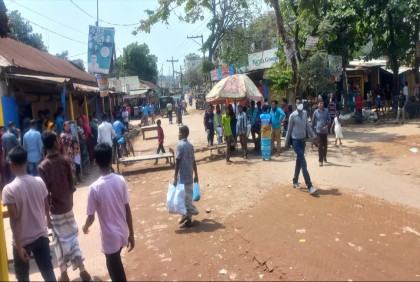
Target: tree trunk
[
  {"x": 282, "y": 34},
  {"x": 395, "y": 78},
  {"x": 417, "y": 60}
]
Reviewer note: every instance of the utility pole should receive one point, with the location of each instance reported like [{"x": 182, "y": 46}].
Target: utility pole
[
  {"x": 181, "y": 83},
  {"x": 173, "y": 69},
  {"x": 202, "y": 43}
]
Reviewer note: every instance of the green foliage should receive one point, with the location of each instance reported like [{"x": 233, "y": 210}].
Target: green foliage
[
  {"x": 193, "y": 78},
  {"x": 281, "y": 78},
  {"x": 4, "y": 20},
  {"x": 136, "y": 60},
  {"x": 21, "y": 30},
  {"x": 78, "y": 63},
  {"x": 226, "y": 15},
  {"x": 241, "y": 41},
  {"x": 63, "y": 55},
  {"x": 315, "y": 75}
]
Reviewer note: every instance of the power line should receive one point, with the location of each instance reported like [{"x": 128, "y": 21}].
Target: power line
[
  {"x": 56, "y": 33},
  {"x": 69, "y": 27},
  {"x": 77, "y": 55},
  {"x": 89, "y": 15}
]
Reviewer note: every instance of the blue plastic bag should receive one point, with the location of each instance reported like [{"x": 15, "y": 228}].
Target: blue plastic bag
[{"x": 196, "y": 192}]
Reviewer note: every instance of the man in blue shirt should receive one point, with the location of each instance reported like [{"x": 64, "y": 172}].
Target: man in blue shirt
[
  {"x": 32, "y": 143},
  {"x": 277, "y": 116},
  {"x": 152, "y": 112},
  {"x": 145, "y": 111},
  {"x": 59, "y": 121},
  {"x": 119, "y": 127}
]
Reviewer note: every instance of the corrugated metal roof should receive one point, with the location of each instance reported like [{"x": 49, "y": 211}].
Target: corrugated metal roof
[
  {"x": 38, "y": 77},
  {"x": 18, "y": 54},
  {"x": 148, "y": 84}
]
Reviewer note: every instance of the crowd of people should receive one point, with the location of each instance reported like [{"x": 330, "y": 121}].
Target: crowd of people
[{"x": 43, "y": 167}]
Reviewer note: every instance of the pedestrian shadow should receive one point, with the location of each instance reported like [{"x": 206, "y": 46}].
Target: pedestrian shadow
[
  {"x": 334, "y": 164},
  {"x": 205, "y": 225},
  {"x": 329, "y": 192}
]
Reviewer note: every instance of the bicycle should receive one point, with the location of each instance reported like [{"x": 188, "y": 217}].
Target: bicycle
[{"x": 123, "y": 146}]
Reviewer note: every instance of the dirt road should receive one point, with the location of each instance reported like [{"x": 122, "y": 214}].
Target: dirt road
[{"x": 364, "y": 225}]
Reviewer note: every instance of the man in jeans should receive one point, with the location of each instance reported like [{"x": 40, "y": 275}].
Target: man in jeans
[
  {"x": 320, "y": 121},
  {"x": 26, "y": 199},
  {"x": 299, "y": 126},
  {"x": 184, "y": 167},
  {"x": 277, "y": 117},
  {"x": 32, "y": 143}
]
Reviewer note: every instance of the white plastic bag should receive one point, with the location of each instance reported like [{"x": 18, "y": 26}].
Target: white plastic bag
[{"x": 175, "y": 199}]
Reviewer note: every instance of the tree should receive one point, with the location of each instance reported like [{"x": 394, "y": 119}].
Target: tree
[
  {"x": 242, "y": 40},
  {"x": 226, "y": 15},
  {"x": 21, "y": 30},
  {"x": 79, "y": 63},
  {"x": 387, "y": 24},
  {"x": 4, "y": 20},
  {"x": 137, "y": 60},
  {"x": 193, "y": 78},
  {"x": 315, "y": 74}
]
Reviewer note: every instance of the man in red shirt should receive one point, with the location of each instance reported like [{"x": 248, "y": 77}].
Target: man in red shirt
[
  {"x": 161, "y": 137},
  {"x": 359, "y": 108}
]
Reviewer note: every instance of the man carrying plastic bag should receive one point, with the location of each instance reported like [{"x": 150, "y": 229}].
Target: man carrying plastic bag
[{"x": 184, "y": 167}]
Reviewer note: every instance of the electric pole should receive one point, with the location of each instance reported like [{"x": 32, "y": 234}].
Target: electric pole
[
  {"x": 173, "y": 69},
  {"x": 202, "y": 43}
]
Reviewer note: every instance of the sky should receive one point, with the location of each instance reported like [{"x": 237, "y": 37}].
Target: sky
[{"x": 63, "y": 26}]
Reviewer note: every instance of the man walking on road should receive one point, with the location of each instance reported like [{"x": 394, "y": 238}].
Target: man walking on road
[
  {"x": 169, "y": 108},
  {"x": 57, "y": 174},
  {"x": 241, "y": 130},
  {"x": 320, "y": 121},
  {"x": 277, "y": 117},
  {"x": 32, "y": 143},
  {"x": 299, "y": 126},
  {"x": 184, "y": 167},
  {"x": 106, "y": 132},
  {"x": 26, "y": 199}
]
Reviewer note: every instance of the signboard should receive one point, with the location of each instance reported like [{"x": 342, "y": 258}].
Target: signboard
[
  {"x": 262, "y": 60},
  {"x": 100, "y": 49},
  {"x": 418, "y": 49},
  {"x": 220, "y": 73},
  {"x": 289, "y": 49},
  {"x": 103, "y": 85},
  {"x": 311, "y": 43},
  {"x": 335, "y": 65},
  {"x": 225, "y": 72}
]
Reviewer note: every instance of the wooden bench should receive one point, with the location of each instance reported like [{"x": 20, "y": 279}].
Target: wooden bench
[
  {"x": 170, "y": 156},
  {"x": 152, "y": 127},
  {"x": 211, "y": 148}
]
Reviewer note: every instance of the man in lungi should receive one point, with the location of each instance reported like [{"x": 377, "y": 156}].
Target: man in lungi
[{"x": 57, "y": 174}]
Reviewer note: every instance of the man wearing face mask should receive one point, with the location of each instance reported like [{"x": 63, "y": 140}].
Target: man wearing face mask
[
  {"x": 320, "y": 120},
  {"x": 296, "y": 135}
]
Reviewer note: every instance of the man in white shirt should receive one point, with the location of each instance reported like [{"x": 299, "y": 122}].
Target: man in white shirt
[
  {"x": 106, "y": 132},
  {"x": 405, "y": 90}
]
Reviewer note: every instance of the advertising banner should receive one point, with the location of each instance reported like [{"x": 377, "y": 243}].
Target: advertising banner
[
  {"x": 262, "y": 60},
  {"x": 103, "y": 84},
  {"x": 335, "y": 65},
  {"x": 418, "y": 49},
  {"x": 289, "y": 49},
  {"x": 311, "y": 43},
  {"x": 213, "y": 75},
  {"x": 100, "y": 49},
  {"x": 225, "y": 72}
]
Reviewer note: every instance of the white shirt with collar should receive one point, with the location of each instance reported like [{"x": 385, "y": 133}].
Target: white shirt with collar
[{"x": 106, "y": 133}]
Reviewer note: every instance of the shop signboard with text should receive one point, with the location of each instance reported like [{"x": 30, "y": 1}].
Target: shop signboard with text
[{"x": 262, "y": 60}]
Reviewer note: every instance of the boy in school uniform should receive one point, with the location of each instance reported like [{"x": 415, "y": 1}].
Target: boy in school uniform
[
  {"x": 109, "y": 193},
  {"x": 26, "y": 199}
]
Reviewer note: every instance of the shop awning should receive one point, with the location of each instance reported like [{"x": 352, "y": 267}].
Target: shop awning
[
  {"x": 53, "y": 79},
  {"x": 400, "y": 70},
  {"x": 85, "y": 88}
]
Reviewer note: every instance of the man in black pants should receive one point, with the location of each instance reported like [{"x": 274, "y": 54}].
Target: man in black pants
[{"x": 321, "y": 120}]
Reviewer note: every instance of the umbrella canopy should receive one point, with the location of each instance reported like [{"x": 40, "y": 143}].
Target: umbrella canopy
[{"x": 234, "y": 88}]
